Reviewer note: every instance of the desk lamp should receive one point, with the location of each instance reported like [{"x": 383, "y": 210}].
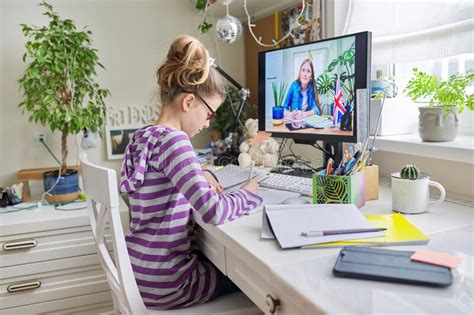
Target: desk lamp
[{"x": 244, "y": 94}]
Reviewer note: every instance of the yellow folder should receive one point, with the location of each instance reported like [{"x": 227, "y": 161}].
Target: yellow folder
[{"x": 399, "y": 232}]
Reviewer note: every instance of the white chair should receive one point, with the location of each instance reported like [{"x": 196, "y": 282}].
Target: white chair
[{"x": 100, "y": 185}]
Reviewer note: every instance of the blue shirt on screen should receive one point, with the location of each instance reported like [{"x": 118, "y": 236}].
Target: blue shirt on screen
[{"x": 294, "y": 98}]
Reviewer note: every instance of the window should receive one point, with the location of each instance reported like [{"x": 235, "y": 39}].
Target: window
[
  {"x": 443, "y": 68},
  {"x": 438, "y": 41}
]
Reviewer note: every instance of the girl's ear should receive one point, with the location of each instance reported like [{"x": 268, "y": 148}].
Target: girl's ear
[{"x": 187, "y": 102}]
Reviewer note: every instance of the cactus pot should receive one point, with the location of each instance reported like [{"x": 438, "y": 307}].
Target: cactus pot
[{"x": 435, "y": 125}]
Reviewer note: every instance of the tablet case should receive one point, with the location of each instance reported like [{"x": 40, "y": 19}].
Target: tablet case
[{"x": 389, "y": 265}]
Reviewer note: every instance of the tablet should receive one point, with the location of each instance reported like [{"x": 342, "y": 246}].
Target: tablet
[{"x": 389, "y": 265}]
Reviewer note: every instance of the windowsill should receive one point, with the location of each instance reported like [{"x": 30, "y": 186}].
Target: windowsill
[{"x": 460, "y": 150}]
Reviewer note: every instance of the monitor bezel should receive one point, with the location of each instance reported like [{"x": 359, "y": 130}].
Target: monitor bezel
[{"x": 362, "y": 65}]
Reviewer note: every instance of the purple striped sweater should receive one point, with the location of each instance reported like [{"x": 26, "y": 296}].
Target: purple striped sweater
[{"x": 164, "y": 181}]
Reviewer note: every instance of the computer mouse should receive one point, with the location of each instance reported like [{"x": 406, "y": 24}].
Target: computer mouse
[{"x": 296, "y": 201}]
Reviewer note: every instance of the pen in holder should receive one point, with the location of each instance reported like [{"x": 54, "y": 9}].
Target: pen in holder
[{"x": 339, "y": 189}]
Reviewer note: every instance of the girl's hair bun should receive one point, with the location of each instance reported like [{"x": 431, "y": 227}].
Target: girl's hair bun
[{"x": 186, "y": 67}]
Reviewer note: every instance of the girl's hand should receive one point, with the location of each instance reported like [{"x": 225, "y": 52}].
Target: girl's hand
[
  {"x": 252, "y": 186},
  {"x": 213, "y": 182}
]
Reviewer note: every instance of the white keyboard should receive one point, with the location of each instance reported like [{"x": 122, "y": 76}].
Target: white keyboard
[{"x": 302, "y": 185}]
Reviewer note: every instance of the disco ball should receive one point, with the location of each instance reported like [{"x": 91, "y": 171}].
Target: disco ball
[{"x": 228, "y": 29}]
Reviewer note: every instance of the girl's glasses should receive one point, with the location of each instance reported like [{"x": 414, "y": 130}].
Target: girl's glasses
[{"x": 212, "y": 113}]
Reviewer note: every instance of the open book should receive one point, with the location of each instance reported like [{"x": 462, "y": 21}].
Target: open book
[{"x": 313, "y": 121}]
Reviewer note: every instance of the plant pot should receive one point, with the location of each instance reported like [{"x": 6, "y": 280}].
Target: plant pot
[
  {"x": 67, "y": 188},
  {"x": 277, "y": 115},
  {"x": 436, "y": 125}
]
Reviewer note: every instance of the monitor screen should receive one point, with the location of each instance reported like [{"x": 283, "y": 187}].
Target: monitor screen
[{"x": 310, "y": 91}]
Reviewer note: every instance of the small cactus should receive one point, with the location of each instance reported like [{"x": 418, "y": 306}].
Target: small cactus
[{"x": 410, "y": 171}]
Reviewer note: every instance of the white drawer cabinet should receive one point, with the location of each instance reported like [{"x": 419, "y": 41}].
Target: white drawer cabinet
[{"x": 48, "y": 263}]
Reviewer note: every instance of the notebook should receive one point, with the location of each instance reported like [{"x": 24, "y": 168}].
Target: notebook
[
  {"x": 272, "y": 197},
  {"x": 287, "y": 222},
  {"x": 399, "y": 232},
  {"x": 314, "y": 121},
  {"x": 233, "y": 175}
]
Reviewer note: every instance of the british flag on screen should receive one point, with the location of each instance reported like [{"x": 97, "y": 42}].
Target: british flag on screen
[{"x": 339, "y": 106}]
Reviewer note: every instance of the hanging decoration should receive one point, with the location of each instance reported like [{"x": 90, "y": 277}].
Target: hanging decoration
[
  {"x": 294, "y": 25},
  {"x": 202, "y": 5},
  {"x": 228, "y": 28}
]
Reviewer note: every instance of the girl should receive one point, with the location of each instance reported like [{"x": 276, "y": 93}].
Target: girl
[
  {"x": 302, "y": 98},
  {"x": 165, "y": 183}
]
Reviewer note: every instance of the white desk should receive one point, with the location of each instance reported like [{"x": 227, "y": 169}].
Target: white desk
[{"x": 302, "y": 280}]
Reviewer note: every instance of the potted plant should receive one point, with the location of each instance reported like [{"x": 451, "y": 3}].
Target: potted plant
[
  {"x": 59, "y": 90},
  {"x": 439, "y": 121},
  {"x": 342, "y": 68},
  {"x": 278, "y": 110}
]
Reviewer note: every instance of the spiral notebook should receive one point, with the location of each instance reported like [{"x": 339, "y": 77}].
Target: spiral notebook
[
  {"x": 287, "y": 222},
  {"x": 399, "y": 232}
]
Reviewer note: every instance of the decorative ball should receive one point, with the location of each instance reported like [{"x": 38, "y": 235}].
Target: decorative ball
[
  {"x": 82, "y": 196},
  {"x": 228, "y": 29},
  {"x": 410, "y": 171}
]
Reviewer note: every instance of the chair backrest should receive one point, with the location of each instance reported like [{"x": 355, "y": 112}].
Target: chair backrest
[{"x": 100, "y": 185}]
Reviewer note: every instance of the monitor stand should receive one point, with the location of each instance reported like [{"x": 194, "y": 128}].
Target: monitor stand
[{"x": 330, "y": 150}]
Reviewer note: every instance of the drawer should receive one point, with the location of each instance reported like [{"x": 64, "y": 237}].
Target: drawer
[
  {"x": 211, "y": 248},
  {"x": 257, "y": 286},
  {"x": 58, "y": 284},
  {"x": 64, "y": 264},
  {"x": 46, "y": 245},
  {"x": 96, "y": 303}
]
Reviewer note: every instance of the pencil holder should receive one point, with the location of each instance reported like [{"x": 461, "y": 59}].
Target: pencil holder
[
  {"x": 339, "y": 189},
  {"x": 371, "y": 182}
]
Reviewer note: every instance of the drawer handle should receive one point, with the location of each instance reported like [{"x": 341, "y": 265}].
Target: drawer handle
[
  {"x": 14, "y": 245},
  {"x": 272, "y": 303},
  {"x": 30, "y": 285}
]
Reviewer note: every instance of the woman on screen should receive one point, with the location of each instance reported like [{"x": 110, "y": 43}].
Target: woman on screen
[{"x": 302, "y": 98}]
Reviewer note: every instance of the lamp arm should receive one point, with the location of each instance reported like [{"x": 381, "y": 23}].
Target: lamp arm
[{"x": 244, "y": 93}]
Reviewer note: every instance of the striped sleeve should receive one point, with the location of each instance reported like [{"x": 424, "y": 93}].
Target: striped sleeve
[{"x": 179, "y": 163}]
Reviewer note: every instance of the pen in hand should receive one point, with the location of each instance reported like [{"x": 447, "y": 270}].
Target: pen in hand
[
  {"x": 337, "y": 232},
  {"x": 252, "y": 165}
]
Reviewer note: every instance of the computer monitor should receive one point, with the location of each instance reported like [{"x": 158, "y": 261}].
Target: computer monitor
[{"x": 316, "y": 91}]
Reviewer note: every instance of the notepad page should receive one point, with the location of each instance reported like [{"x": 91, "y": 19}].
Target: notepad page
[
  {"x": 288, "y": 221},
  {"x": 233, "y": 175}
]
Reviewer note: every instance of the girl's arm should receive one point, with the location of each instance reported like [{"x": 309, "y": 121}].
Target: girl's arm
[{"x": 180, "y": 164}]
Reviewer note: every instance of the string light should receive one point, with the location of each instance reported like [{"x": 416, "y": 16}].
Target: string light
[{"x": 275, "y": 42}]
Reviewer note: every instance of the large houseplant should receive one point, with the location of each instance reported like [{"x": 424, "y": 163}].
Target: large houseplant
[
  {"x": 439, "y": 120},
  {"x": 342, "y": 68},
  {"x": 59, "y": 87}
]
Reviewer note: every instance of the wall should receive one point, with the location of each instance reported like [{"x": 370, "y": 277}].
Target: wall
[
  {"x": 2, "y": 142},
  {"x": 132, "y": 38}
]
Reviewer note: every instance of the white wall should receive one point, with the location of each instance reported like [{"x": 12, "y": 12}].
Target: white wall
[{"x": 132, "y": 38}]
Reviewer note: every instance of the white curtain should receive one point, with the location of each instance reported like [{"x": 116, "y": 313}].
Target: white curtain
[{"x": 413, "y": 30}]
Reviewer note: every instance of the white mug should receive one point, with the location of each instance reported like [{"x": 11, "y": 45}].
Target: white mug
[{"x": 412, "y": 196}]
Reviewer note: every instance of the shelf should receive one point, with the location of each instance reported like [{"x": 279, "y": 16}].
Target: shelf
[{"x": 460, "y": 150}]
